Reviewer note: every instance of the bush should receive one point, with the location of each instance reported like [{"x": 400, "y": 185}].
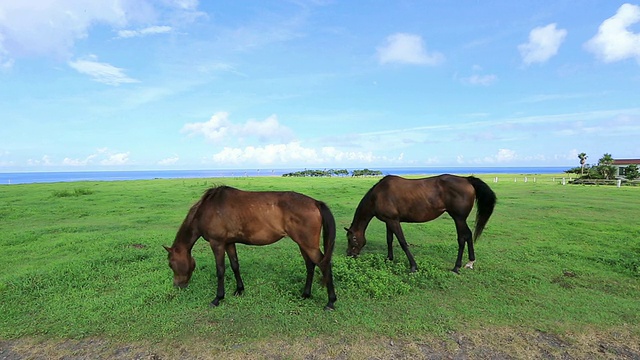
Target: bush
[
  {"x": 75, "y": 192},
  {"x": 631, "y": 172},
  {"x": 375, "y": 277}
]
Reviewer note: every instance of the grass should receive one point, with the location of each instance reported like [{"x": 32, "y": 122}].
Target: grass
[{"x": 84, "y": 260}]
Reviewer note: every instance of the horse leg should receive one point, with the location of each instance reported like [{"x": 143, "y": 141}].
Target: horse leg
[
  {"x": 235, "y": 266},
  {"x": 397, "y": 230},
  {"x": 472, "y": 254},
  {"x": 464, "y": 237},
  {"x": 306, "y": 293},
  {"x": 218, "y": 252},
  {"x": 315, "y": 256},
  {"x": 331, "y": 292},
  {"x": 389, "y": 243}
]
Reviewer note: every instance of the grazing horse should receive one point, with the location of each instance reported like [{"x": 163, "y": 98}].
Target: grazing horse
[
  {"x": 394, "y": 200},
  {"x": 225, "y": 216}
]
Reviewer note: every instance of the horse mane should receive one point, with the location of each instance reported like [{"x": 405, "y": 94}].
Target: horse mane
[
  {"x": 207, "y": 196},
  {"x": 365, "y": 201},
  {"x": 187, "y": 229}
]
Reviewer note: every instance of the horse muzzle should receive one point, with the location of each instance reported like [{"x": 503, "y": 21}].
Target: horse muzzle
[{"x": 180, "y": 285}]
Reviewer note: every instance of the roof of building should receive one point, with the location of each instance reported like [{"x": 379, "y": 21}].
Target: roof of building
[{"x": 626, "y": 161}]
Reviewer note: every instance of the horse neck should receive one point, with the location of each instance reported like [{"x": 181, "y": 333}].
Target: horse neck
[
  {"x": 185, "y": 238},
  {"x": 363, "y": 215}
]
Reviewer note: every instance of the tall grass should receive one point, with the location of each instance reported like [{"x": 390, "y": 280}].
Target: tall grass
[{"x": 554, "y": 258}]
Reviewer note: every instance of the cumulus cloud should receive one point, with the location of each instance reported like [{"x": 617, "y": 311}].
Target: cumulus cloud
[
  {"x": 101, "y": 72},
  {"x": 45, "y": 161},
  {"x": 116, "y": 159},
  {"x": 78, "y": 162},
  {"x": 483, "y": 80},
  {"x": 543, "y": 44},
  {"x": 614, "y": 41},
  {"x": 407, "y": 49},
  {"x": 289, "y": 153},
  {"x": 507, "y": 156},
  {"x": 151, "y": 30},
  {"x": 215, "y": 129},
  {"x": 219, "y": 129},
  {"x": 169, "y": 161},
  {"x": 102, "y": 156}
]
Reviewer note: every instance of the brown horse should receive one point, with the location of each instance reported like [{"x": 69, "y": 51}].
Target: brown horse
[
  {"x": 225, "y": 216},
  {"x": 394, "y": 200}
]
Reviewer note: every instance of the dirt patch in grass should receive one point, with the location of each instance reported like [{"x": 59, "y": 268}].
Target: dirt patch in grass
[{"x": 494, "y": 343}]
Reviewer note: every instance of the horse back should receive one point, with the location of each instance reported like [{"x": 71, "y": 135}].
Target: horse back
[
  {"x": 257, "y": 217},
  {"x": 421, "y": 200}
]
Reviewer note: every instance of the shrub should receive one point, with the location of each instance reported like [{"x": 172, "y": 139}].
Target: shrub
[{"x": 75, "y": 192}]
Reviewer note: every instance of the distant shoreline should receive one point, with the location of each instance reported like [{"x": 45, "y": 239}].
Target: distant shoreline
[{"x": 71, "y": 176}]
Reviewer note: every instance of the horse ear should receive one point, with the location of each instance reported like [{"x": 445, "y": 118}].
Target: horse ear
[
  {"x": 167, "y": 248},
  {"x": 346, "y": 229}
]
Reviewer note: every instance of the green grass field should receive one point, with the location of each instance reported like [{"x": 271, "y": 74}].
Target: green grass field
[{"x": 85, "y": 261}]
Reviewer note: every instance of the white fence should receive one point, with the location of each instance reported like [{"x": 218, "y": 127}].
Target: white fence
[{"x": 567, "y": 180}]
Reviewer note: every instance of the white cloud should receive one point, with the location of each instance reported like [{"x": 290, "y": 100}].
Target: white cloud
[
  {"x": 169, "y": 161},
  {"x": 543, "y": 44},
  {"x": 183, "y": 4},
  {"x": 614, "y": 41},
  {"x": 116, "y": 159},
  {"x": 289, "y": 154},
  {"x": 101, "y": 72},
  {"x": 216, "y": 129},
  {"x": 265, "y": 130},
  {"x": 151, "y": 30},
  {"x": 102, "y": 155},
  {"x": 484, "y": 80},
  {"x": 45, "y": 161},
  {"x": 220, "y": 129},
  {"x": 30, "y": 27},
  {"x": 78, "y": 162},
  {"x": 407, "y": 49},
  {"x": 52, "y": 27},
  {"x": 505, "y": 155}
]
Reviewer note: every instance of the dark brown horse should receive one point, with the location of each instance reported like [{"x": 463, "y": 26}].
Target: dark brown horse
[
  {"x": 394, "y": 200},
  {"x": 225, "y": 216}
]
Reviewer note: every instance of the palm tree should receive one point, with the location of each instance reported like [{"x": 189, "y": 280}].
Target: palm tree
[
  {"x": 583, "y": 160},
  {"x": 606, "y": 165}
]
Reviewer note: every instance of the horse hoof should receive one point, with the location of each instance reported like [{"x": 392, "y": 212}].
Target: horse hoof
[
  {"x": 456, "y": 270},
  {"x": 215, "y": 303},
  {"x": 329, "y": 308}
]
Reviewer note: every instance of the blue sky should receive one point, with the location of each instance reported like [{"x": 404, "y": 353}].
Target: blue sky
[{"x": 187, "y": 84}]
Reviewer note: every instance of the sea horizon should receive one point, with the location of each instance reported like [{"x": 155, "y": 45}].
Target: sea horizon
[{"x": 31, "y": 177}]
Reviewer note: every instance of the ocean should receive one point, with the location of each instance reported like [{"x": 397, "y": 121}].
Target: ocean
[{"x": 7, "y": 178}]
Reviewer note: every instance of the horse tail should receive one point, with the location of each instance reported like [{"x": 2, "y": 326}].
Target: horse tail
[
  {"x": 328, "y": 235},
  {"x": 485, "y": 201}
]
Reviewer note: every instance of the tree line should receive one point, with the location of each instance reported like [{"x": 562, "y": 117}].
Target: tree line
[
  {"x": 333, "y": 172},
  {"x": 603, "y": 169}
]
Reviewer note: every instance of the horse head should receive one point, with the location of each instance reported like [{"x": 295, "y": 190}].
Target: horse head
[
  {"x": 355, "y": 241},
  {"x": 182, "y": 264}
]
